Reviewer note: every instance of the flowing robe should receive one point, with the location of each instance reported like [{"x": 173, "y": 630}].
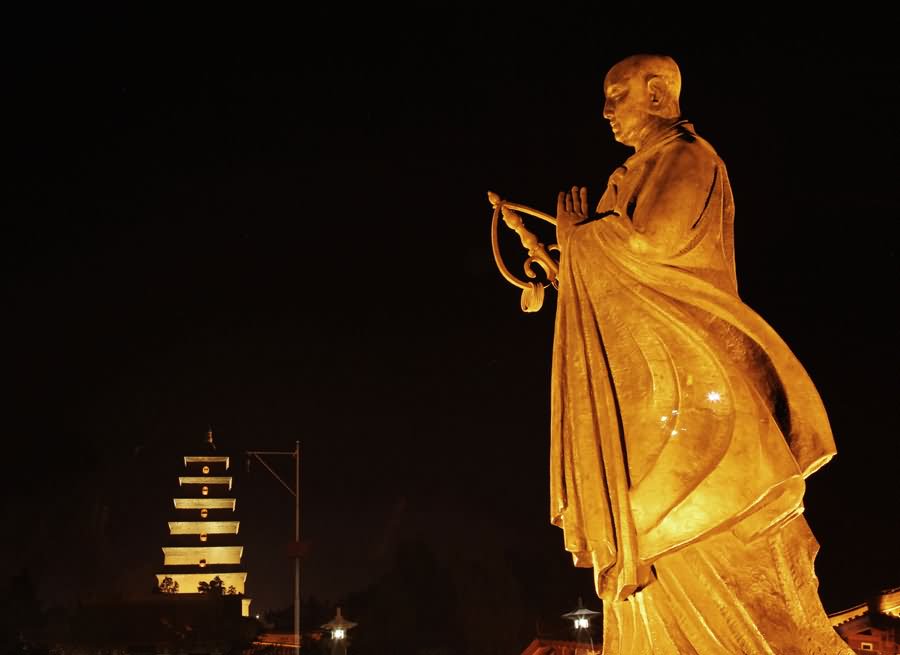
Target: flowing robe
[{"x": 679, "y": 417}]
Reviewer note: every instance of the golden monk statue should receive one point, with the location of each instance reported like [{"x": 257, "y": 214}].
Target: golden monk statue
[{"x": 682, "y": 425}]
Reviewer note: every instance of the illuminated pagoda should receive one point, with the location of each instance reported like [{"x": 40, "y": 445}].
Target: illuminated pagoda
[{"x": 203, "y": 535}]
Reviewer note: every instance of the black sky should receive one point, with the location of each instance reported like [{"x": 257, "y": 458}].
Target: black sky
[{"x": 277, "y": 225}]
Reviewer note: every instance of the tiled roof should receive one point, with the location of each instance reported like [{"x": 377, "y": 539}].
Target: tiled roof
[{"x": 553, "y": 647}]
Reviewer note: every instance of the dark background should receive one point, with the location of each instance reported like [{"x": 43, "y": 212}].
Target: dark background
[{"x": 276, "y": 225}]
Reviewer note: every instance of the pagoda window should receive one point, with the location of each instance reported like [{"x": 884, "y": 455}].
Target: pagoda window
[
  {"x": 205, "y": 470},
  {"x": 204, "y": 490},
  {"x": 202, "y": 536},
  {"x": 204, "y": 513},
  {"x": 202, "y": 563}
]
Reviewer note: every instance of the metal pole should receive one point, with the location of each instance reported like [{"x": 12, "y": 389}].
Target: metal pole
[
  {"x": 296, "y": 548},
  {"x": 297, "y": 540}
]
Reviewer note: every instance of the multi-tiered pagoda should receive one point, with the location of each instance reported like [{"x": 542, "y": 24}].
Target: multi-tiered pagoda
[{"x": 203, "y": 535}]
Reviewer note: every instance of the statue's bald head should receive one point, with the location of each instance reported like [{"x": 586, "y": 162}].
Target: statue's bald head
[{"x": 659, "y": 74}]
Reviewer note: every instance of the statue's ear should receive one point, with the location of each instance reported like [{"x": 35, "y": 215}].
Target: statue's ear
[{"x": 656, "y": 92}]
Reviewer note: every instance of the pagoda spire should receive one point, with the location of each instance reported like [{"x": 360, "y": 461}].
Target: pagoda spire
[{"x": 209, "y": 438}]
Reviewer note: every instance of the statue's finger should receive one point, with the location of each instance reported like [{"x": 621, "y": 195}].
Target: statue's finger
[
  {"x": 576, "y": 200},
  {"x": 584, "y": 201},
  {"x": 568, "y": 202},
  {"x": 560, "y": 202}
]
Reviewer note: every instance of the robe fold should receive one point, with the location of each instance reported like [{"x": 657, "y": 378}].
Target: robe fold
[{"x": 678, "y": 414}]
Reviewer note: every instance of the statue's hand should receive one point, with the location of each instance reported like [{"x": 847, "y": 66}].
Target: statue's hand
[{"x": 571, "y": 206}]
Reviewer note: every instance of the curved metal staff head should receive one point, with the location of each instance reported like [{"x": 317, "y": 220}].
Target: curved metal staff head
[{"x": 533, "y": 291}]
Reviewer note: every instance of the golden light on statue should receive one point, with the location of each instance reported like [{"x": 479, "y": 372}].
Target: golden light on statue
[
  {"x": 682, "y": 426},
  {"x": 533, "y": 291}
]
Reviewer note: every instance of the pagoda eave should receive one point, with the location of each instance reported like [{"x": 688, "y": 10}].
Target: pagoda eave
[
  {"x": 200, "y": 527},
  {"x": 208, "y": 459},
  {"x": 204, "y": 503},
  {"x": 205, "y": 480},
  {"x": 194, "y": 554}
]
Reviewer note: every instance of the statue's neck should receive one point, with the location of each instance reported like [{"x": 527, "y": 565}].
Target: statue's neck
[{"x": 654, "y": 131}]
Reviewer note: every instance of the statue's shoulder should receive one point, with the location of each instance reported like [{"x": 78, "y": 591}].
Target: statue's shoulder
[
  {"x": 690, "y": 154},
  {"x": 689, "y": 150},
  {"x": 689, "y": 138},
  {"x": 686, "y": 137}
]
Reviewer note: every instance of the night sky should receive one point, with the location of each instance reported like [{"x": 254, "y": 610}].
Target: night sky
[{"x": 277, "y": 225}]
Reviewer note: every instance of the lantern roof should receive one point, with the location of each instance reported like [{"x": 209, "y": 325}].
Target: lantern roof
[
  {"x": 579, "y": 612},
  {"x": 338, "y": 622}
]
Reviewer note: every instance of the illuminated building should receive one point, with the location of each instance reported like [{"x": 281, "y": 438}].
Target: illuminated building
[
  {"x": 203, "y": 533},
  {"x": 542, "y": 646},
  {"x": 872, "y": 627}
]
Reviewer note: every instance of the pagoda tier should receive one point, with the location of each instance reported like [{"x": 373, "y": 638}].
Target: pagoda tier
[
  {"x": 205, "y": 503},
  {"x": 205, "y": 480},
  {"x": 193, "y": 568},
  {"x": 197, "y": 540},
  {"x": 200, "y": 527},
  {"x": 203, "y": 533},
  {"x": 205, "y": 554},
  {"x": 191, "y": 581},
  {"x": 208, "y": 459}
]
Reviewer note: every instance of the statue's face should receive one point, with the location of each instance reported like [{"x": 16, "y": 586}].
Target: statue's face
[{"x": 627, "y": 106}]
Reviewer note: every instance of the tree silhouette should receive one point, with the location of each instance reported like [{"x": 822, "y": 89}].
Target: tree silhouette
[
  {"x": 168, "y": 586},
  {"x": 216, "y": 587}
]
